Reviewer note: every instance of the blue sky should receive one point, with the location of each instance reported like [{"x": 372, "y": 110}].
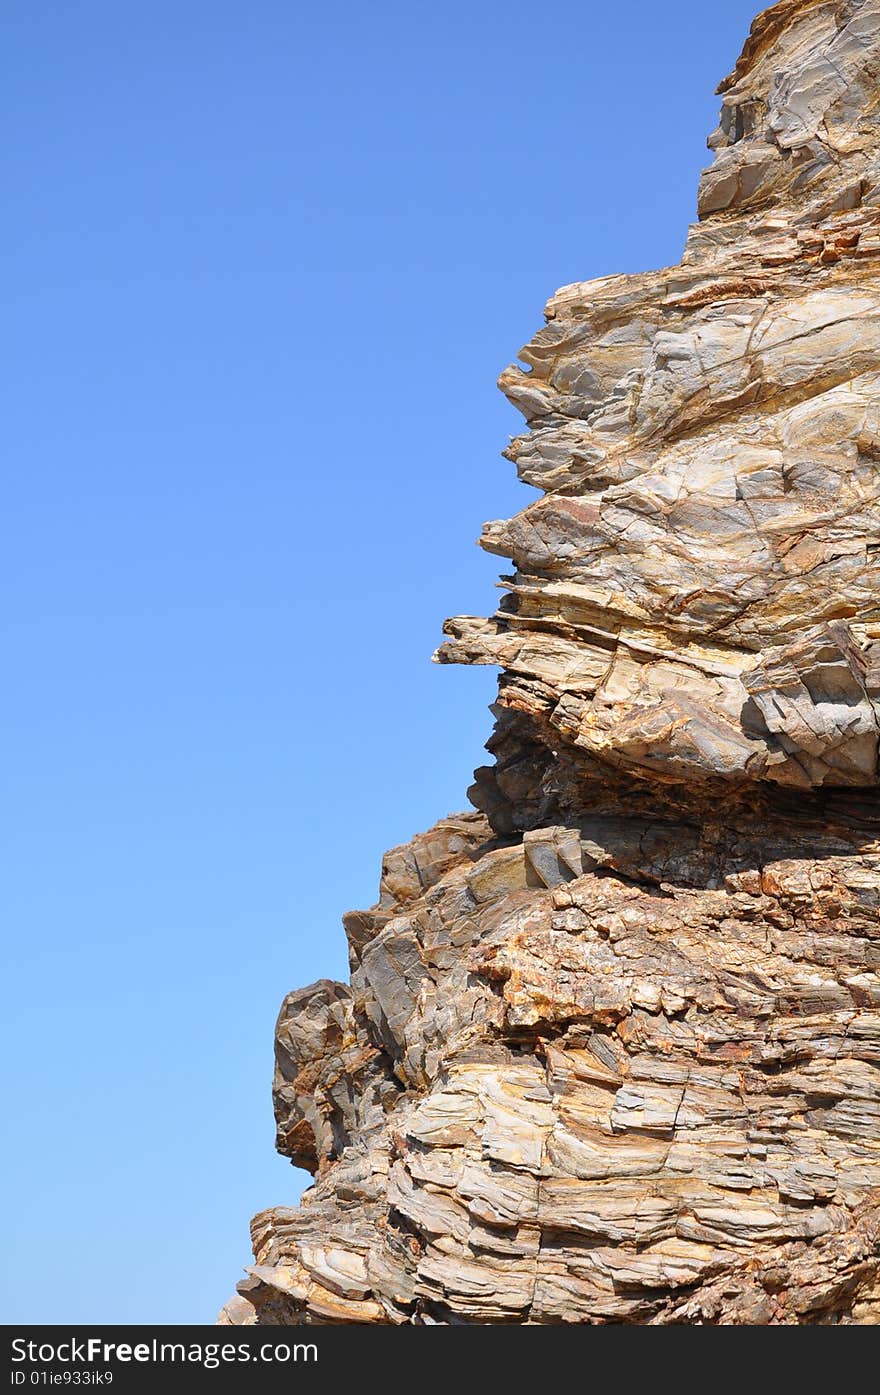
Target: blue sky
[{"x": 263, "y": 264}]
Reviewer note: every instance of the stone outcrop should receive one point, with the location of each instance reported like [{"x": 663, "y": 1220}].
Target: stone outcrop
[{"x": 610, "y": 1051}]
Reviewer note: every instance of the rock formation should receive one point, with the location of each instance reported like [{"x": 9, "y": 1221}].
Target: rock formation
[{"x": 611, "y": 1047}]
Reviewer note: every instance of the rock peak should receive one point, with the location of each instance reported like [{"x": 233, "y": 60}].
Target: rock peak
[{"x": 800, "y": 122}]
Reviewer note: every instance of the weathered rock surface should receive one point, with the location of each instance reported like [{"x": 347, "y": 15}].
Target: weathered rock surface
[{"x": 611, "y": 1047}]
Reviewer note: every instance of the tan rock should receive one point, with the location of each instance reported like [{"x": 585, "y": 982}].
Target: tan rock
[{"x": 610, "y": 1051}]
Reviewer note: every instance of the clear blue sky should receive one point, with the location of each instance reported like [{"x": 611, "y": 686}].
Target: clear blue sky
[{"x": 263, "y": 263}]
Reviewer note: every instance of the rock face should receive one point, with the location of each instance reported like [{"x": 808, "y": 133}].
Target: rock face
[{"x": 611, "y": 1047}]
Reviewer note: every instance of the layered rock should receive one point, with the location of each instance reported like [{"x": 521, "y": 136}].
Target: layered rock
[{"x": 611, "y": 1046}]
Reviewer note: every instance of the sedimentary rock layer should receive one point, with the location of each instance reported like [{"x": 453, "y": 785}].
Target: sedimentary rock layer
[{"x": 611, "y": 1046}]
